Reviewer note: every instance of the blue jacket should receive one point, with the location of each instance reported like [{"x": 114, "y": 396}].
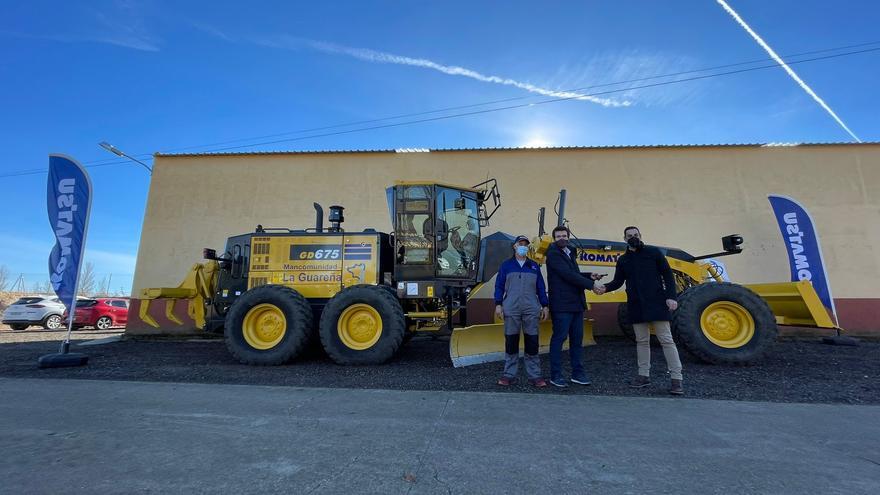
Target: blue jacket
[{"x": 529, "y": 272}]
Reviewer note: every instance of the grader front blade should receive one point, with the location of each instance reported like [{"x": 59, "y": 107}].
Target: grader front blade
[
  {"x": 478, "y": 344},
  {"x": 794, "y": 304}
]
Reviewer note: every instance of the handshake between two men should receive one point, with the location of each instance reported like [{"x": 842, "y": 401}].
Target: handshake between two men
[{"x": 600, "y": 289}]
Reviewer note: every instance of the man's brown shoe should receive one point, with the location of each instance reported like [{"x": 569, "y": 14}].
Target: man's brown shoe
[
  {"x": 640, "y": 382},
  {"x": 538, "y": 382},
  {"x": 676, "y": 389},
  {"x": 504, "y": 381}
]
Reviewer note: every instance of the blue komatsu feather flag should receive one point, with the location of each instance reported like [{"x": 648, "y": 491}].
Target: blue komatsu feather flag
[
  {"x": 802, "y": 244},
  {"x": 69, "y": 200}
]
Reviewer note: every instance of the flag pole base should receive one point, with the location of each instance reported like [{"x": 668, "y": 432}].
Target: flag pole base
[{"x": 63, "y": 359}]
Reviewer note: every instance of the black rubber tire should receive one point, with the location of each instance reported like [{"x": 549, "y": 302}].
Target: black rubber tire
[
  {"x": 407, "y": 335},
  {"x": 623, "y": 322},
  {"x": 296, "y": 310},
  {"x": 19, "y": 326},
  {"x": 687, "y": 329},
  {"x": 626, "y": 328},
  {"x": 107, "y": 319},
  {"x": 393, "y": 325},
  {"x": 51, "y": 320}
]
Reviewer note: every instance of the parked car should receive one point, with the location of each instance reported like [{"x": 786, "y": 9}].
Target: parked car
[
  {"x": 45, "y": 311},
  {"x": 101, "y": 313}
]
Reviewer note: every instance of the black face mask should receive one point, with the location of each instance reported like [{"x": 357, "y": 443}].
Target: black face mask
[
  {"x": 634, "y": 242},
  {"x": 562, "y": 243}
]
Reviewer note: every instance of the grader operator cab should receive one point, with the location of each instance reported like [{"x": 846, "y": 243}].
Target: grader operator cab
[{"x": 361, "y": 293}]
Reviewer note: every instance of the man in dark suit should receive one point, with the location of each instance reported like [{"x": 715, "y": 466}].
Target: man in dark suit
[
  {"x": 567, "y": 305},
  {"x": 650, "y": 297}
]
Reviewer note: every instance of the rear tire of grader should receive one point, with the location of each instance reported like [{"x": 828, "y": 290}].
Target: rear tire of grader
[
  {"x": 724, "y": 323},
  {"x": 362, "y": 324},
  {"x": 268, "y": 325}
]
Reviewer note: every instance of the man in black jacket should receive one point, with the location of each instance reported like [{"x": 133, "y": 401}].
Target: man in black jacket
[
  {"x": 567, "y": 305},
  {"x": 650, "y": 296}
]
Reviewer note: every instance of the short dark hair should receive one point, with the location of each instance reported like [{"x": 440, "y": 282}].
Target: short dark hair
[
  {"x": 560, "y": 228},
  {"x": 631, "y": 227}
]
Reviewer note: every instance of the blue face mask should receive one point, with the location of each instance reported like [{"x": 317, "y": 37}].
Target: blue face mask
[{"x": 522, "y": 250}]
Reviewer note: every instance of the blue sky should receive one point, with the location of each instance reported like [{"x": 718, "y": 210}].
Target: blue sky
[{"x": 158, "y": 75}]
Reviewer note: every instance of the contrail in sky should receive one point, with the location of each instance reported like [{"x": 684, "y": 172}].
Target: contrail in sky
[
  {"x": 389, "y": 58},
  {"x": 785, "y": 66}
]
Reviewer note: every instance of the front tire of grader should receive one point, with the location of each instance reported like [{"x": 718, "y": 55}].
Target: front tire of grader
[
  {"x": 268, "y": 325},
  {"x": 626, "y": 327},
  {"x": 724, "y": 323},
  {"x": 362, "y": 324}
]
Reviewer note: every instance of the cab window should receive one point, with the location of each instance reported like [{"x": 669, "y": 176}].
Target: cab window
[
  {"x": 415, "y": 226},
  {"x": 236, "y": 261},
  {"x": 458, "y": 233}
]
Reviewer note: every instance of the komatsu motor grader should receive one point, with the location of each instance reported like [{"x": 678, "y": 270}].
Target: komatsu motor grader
[{"x": 362, "y": 294}]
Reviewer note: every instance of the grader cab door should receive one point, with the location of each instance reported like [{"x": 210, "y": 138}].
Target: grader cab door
[{"x": 437, "y": 232}]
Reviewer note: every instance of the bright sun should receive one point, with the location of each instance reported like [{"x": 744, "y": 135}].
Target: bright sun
[{"x": 537, "y": 142}]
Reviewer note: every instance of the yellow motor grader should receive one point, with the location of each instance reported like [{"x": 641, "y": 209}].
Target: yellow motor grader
[{"x": 363, "y": 293}]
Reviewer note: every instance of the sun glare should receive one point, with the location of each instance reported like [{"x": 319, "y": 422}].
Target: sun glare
[{"x": 537, "y": 142}]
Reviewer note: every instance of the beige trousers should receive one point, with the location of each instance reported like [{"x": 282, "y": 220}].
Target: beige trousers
[{"x": 643, "y": 347}]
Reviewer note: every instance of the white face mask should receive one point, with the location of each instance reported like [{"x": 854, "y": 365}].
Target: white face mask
[{"x": 522, "y": 250}]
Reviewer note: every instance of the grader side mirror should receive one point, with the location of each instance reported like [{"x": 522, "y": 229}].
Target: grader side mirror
[
  {"x": 732, "y": 243},
  {"x": 209, "y": 254}
]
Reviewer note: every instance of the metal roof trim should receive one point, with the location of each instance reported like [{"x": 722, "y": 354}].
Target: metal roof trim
[{"x": 514, "y": 148}]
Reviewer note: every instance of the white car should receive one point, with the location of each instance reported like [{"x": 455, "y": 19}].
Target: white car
[{"x": 45, "y": 311}]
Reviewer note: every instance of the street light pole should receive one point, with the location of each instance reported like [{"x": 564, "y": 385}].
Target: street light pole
[{"x": 116, "y": 151}]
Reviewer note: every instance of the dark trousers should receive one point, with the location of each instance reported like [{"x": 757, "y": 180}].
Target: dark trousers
[
  {"x": 567, "y": 325},
  {"x": 511, "y": 358}
]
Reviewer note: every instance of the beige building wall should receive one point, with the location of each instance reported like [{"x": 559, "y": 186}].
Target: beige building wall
[{"x": 686, "y": 197}]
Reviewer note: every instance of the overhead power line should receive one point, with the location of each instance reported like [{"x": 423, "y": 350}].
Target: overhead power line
[
  {"x": 542, "y": 102},
  {"x": 108, "y": 162}
]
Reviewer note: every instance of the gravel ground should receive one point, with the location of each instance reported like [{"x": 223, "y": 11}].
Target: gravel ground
[{"x": 794, "y": 371}]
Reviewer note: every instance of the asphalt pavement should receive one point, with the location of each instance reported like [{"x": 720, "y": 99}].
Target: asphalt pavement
[{"x": 87, "y": 436}]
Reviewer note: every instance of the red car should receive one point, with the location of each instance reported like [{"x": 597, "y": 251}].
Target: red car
[{"x": 101, "y": 313}]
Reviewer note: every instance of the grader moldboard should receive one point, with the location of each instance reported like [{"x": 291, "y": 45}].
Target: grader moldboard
[{"x": 363, "y": 294}]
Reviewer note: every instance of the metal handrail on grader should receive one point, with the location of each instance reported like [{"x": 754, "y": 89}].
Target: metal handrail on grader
[{"x": 363, "y": 294}]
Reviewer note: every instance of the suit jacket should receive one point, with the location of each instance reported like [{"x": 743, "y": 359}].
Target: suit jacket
[{"x": 565, "y": 280}]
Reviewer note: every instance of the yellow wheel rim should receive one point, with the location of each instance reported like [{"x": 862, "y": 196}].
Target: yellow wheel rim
[
  {"x": 359, "y": 326},
  {"x": 727, "y": 324},
  {"x": 264, "y": 326}
]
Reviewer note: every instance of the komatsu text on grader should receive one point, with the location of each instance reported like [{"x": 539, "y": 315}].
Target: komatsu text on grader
[{"x": 364, "y": 293}]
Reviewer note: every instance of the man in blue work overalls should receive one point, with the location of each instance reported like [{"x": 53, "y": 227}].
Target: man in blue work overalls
[{"x": 521, "y": 300}]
